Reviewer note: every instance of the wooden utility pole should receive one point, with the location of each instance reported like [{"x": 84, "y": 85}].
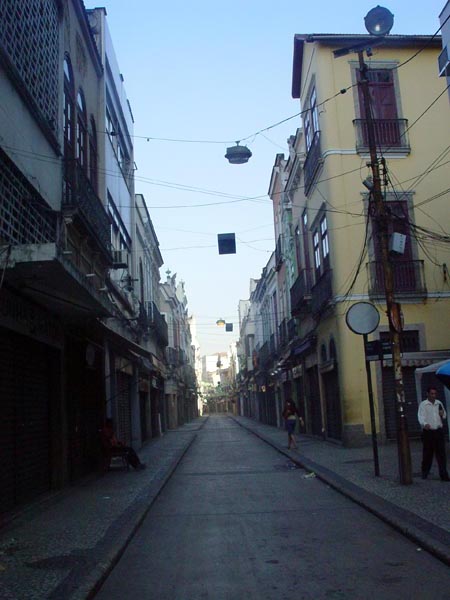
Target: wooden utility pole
[{"x": 393, "y": 309}]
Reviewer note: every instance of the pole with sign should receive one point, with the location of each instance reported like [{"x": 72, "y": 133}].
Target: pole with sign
[{"x": 363, "y": 318}]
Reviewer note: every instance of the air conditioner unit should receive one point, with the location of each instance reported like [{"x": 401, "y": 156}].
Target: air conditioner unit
[
  {"x": 120, "y": 259},
  {"x": 444, "y": 63}
]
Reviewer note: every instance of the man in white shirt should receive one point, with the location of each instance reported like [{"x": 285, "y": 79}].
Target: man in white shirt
[{"x": 430, "y": 415}]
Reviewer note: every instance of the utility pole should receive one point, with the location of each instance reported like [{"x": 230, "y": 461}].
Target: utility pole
[{"x": 393, "y": 308}]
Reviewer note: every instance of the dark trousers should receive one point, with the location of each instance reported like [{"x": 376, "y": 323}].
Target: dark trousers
[
  {"x": 132, "y": 457},
  {"x": 434, "y": 444}
]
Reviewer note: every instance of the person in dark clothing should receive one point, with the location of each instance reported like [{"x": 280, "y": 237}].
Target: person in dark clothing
[
  {"x": 114, "y": 447},
  {"x": 290, "y": 414},
  {"x": 430, "y": 416}
]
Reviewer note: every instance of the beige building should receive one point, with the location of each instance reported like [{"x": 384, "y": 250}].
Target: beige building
[
  {"x": 328, "y": 253},
  {"x": 336, "y": 233}
]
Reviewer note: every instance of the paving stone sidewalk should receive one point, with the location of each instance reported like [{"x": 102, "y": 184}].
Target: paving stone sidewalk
[
  {"x": 420, "y": 510},
  {"x": 64, "y": 546}
]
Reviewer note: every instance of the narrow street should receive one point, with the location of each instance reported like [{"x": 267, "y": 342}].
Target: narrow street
[{"x": 237, "y": 521}]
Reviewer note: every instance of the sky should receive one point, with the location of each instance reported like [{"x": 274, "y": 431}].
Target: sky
[{"x": 212, "y": 73}]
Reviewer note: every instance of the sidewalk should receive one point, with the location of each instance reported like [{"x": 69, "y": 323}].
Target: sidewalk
[
  {"x": 64, "y": 546},
  {"x": 420, "y": 511}
]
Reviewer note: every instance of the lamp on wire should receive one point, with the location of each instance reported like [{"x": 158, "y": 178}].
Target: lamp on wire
[{"x": 238, "y": 155}]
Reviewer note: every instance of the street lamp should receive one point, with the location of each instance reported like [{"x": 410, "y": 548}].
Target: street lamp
[
  {"x": 379, "y": 22},
  {"x": 238, "y": 155}
]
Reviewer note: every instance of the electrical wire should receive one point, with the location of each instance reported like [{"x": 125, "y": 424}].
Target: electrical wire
[{"x": 221, "y": 194}]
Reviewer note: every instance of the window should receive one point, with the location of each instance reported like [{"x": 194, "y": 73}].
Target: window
[
  {"x": 316, "y": 245},
  {"x": 68, "y": 109},
  {"x": 390, "y": 131},
  {"x": 306, "y": 251},
  {"x": 406, "y": 272},
  {"x": 311, "y": 119},
  {"x": 321, "y": 248},
  {"x": 313, "y": 159},
  {"x": 298, "y": 254},
  {"x": 324, "y": 241},
  {"x": 382, "y": 94},
  {"x": 409, "y": 340},
  {"x": 81, "y": 131},
  {"x": 93, "y": 161}
]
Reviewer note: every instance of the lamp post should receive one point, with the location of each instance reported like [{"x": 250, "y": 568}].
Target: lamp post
[{"x": 379, "y": 22}]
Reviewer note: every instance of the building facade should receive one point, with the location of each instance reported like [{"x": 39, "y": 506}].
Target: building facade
[
  {"x": 81, "y": 333},
  {"x": 332, "y": 252}
]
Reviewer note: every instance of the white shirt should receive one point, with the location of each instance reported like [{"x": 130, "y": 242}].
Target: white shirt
[{"x": 428, "y": 414}]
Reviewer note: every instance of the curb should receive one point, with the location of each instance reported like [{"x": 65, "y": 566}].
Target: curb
[
  {"x": 96, "y": 577},
  {"x": 427, "y": 535}
]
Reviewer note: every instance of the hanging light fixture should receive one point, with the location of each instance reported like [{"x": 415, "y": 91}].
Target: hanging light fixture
[
  {"x": 238, "y": 155},
  {"x": 220, "y": 323},
  {"x": 379, "y": 21}
]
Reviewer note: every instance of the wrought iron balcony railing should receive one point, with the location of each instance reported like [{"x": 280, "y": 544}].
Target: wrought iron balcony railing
[
  {"x": 390, "y": 134},
  {"x": 272, "y": 345},
  {"x": 158, "y": 323},
  {"x": 409, "y": 279},
  {"x": 282, "y": 333},
  {"x": 172, "y": 356},
  {"x": 322, "y": 292},
  {"x": 291, "y": 329},
  {"x": 301, "y": 292},
  {"x": 278, "y": 254},
  {"x": 263, "y": 354},
  {"x": 79, "y": 196}
]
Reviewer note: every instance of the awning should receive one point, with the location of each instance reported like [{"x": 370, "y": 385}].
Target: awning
[
  {"x": 143, "y": 362},
  {"x": 122, "y": 342},
  {"x": 304, "y": 346},
  {"x": 430, "y": 369}
]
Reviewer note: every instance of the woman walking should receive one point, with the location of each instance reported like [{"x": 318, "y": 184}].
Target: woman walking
[{"x": 290, "y": 414}]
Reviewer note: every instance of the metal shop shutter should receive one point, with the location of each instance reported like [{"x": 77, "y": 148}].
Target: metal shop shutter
[{"x": 25, "y": 429}]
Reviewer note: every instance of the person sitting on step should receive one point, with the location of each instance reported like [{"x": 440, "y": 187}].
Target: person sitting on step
[{"x": 114, "y": 447}]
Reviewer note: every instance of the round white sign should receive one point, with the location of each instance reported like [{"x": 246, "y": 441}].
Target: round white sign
[{"x": 362, "y": 318}]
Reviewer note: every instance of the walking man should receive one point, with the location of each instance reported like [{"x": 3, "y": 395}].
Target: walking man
[{"x": 431, "y": 415}]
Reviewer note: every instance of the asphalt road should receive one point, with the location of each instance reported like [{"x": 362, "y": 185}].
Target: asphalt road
[{"x": 236, "y": 521}]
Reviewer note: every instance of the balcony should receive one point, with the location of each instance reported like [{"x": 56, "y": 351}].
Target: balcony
[
  {"x": 158, "y": 323},
  {"x": 264, "y": 354},
  {"x": 182, "y": 356},
  {"x": 301, "y": 292},
  {"x": 312, "y": 162},
  {"x": 321, "y": 293},
  {"x": 291, "y": 329},
  {"x": 43, "y": 271},
  {"x": 81, "y": 201},
  {"x": 409, "y": 279},
  {"x": 278, "y": 254},
  {"x": 282, "y": 333},
  {"x": 172, "y": 356},
  {"x": 390, "y": 135},
  {"x": 272, "y": 346}
]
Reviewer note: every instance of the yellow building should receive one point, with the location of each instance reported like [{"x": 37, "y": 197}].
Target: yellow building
[{"x": 336, "y": 232}]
